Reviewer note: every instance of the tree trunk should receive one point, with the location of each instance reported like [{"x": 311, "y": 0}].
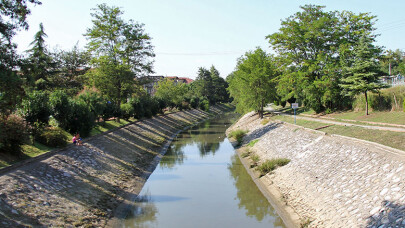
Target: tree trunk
[{"x": 365, "y": 94}]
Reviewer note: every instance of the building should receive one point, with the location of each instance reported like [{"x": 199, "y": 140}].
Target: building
[{"x": 150, "y": 82}]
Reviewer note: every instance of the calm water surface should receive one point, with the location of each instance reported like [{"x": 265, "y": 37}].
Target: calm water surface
[{"x": 200, "y": 182}]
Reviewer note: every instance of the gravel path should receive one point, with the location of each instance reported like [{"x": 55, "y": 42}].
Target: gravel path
[{"x": 333, "y": 181}]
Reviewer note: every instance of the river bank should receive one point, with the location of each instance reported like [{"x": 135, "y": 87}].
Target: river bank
[
  {"x": 91, "y": 184},
  {"x": 331, "y": 181}
]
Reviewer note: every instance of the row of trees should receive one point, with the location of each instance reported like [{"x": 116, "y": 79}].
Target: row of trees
[
  {"x": 323, "y": 59},
  {"x": 46, "y": 92}
]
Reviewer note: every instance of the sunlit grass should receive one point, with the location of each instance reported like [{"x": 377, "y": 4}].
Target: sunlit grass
[{"x": 270, "y": 165}]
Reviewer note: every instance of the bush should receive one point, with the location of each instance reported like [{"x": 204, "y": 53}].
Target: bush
[
  {"x": 127, "y": 111},
  {"x": 238, "y": 135},
  {"x": 137, "y": 107},
  {"x": 110, "y": 110},
  {"x": 271, "y": 165},
  {"x": 52, "y": 136},
  {"x": 389, "y": 99},
  {"x": 14, "y": 131},
  {"x": 81, "y": 118},
  {"x": 404, "y": 105},
  {"x": 36, "y": 108},
  {"x": 204, "y": 104},
  {"x": 194, "y": 101},
  {"x": 60, "y": 107},
  {"x": 95, "y": 101}
]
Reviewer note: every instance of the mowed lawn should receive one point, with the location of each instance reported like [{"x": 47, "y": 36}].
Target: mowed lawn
[{"x": 380, "y": 117}]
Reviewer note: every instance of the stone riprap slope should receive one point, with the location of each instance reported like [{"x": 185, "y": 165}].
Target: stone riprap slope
[
  {"x": 84, "y": 185},
  {"x": 333, "y": 181}
]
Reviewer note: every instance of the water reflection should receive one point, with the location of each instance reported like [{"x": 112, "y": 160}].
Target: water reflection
[
  {"x": 201, "y": 183},
  {"x": 249, "y": 196}
]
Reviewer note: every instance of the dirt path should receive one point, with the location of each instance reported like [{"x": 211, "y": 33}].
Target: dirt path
[{"x": 84, "y": 185}]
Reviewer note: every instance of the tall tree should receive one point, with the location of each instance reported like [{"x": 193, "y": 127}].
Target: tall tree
[
  {"x": 203, "y": 84},
  {"x": 13, "y": 15},
  {"x": 40, "y": 64},
  {"x": 312, "y": 44},
  {"x": 219, "y": 85},
  {"x": 120, "y": 51},
  {"x": 364, "y": 74},
  {"x": 252, "y": 85}
]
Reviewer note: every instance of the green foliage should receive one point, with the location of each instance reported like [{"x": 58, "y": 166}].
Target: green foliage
[
  {"x": 252, "y": 84},
  {"x": 52, "y": 136},
  {"x": 271, "y": 165},
  {"x": 110, "y": 110},
  {"x": 11, "y": 91},
  {"x": 139, "y": 111},
  {"x": 404, "y": 105},
  {"x": 36, "y": 108},
  {"x": 204, "y": 104},
  {"x": 389, "y": 99},
  {"x": 313, "y": 47},
  {"x": 253, "y": 142},
  {"x": 94, "y": 101},
  {"x": 60, "y": 107},
  {"x": 14, "y": 131},
  {"x": 127, "y": 110},
  {"x": 246, "y": 154},
  {"x": 120, "y": 50},
  {"x": 238, "y": 135},
  {"x": 173, "y": 93},
  {"x": 255, "y": 159},
  {"x": 81, "y": 119}
]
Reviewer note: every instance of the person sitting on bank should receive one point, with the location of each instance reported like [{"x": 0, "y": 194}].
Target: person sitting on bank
[{"x": 77, "y": 140}]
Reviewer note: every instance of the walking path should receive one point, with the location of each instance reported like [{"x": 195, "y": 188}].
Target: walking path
[{"x": 399, "y": 128}]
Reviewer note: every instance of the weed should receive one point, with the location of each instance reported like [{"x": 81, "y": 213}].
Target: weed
[
  {"x": 265, "y": 121},
  {"x": 305, "y": 223},
  {"x": 271, "y": 165},
  {"x": 253, "y": 142},
  {"x": 246, "y": 154},
  {"x": 238, "y": 135},
  {"x": 255, "y": 158}
]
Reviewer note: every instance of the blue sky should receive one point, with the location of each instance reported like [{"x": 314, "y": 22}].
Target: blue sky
[{"x": 188, "y": 34}]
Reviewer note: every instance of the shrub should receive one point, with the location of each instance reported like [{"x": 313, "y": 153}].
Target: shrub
[
  {"x": 81, "y": 118},
  {"x": 94, "y": 101},
  {"x": 238, "y": 135},
  {"x": 36, "y": 108},
  {"x": 404, "y": 105},
  {"x": 52, "y": 136},
  {"x": 271, "y": 165},
  {"x": 60, "y": 107},
  {"x": 138, "y": 107},
  {"x": 204, "y": 104},
  {"x": 110, "y": 110},
  {"x": 127, "y": 111},
  {"x": 194, "y": 102},
  {"x": 389, "y": 99},
  {"x": 14, "y": 131}
]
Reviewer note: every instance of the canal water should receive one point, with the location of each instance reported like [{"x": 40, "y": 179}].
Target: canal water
[{"x": 200, "y": 182}]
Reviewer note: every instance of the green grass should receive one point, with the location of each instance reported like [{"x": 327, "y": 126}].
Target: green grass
[
  {"x": 238, "y": 135},
  {"x": 253, "y": 142},
  {"x": 265, "y": 121},
  {"x": 271, "y": 165},
  {"x": 255, "y": 159},
  {"x": 388, "y": 138},
  {"x": 33, "y": 150},
  {"x": 379, "y": 117}
]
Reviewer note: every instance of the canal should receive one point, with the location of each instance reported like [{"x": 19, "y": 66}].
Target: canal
[{"x": 200, "y": 182}]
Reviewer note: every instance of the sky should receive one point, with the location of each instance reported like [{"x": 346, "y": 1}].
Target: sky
[{"x": 189, "y": 34}]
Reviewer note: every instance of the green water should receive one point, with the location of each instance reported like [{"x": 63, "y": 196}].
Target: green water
[{"x": 200, "y": 182}]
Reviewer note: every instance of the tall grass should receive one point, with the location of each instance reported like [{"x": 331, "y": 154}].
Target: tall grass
[
  {"x": 389, "y": 99},
  {"x": 271, "y": 165},
  {"x": 238, "y": 135}
]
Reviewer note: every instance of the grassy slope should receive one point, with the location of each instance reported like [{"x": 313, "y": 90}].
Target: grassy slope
[{"x": 392, "y": 139}]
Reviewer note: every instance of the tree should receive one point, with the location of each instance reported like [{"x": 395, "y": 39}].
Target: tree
[
  {"x": 219, "y": 85},
  {"x": 13, "y": 16},
  {"x": 363, "y": 75},
  {"x": 120, "y": 52},
  {"x": 312, "y": 46},
  {"x": 172, "y": 93},
  {"x": 252, "y": 85},
  {"x": 40, "y": 64},
  {"x": 203, "y": 84}
]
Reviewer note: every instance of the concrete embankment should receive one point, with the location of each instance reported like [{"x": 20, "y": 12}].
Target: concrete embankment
[
  {"x": 331, "y": 181},
  {"x": 90, "y": 184}
]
